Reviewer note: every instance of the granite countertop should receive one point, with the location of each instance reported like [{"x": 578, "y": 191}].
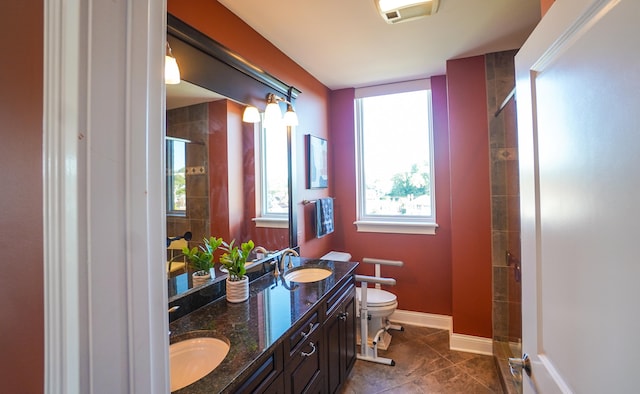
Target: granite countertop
[{"x": 257, "y": 325}]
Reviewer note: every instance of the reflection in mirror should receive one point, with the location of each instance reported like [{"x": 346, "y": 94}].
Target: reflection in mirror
[
  {"x": 221, "y": 159},
  {"x": 213, "y": 162},
  {"x": 176, "y": 176},
  {"x": 273, "y": 192}
]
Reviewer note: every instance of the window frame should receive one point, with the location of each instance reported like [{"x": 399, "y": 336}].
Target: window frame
[
  {"x": 391, "y": 223},
  {"x": 169, "y": 190}
]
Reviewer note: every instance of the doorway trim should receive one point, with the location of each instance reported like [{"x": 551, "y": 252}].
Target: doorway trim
[{"x": 105, "y": 291}]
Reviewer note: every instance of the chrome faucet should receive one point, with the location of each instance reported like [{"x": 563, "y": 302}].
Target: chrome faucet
[
  {"x": 279, "y": 264},
  {"x": 260, "y": 249},
  {"x": 276, "y": 270},
  {"x": 285, "y": 253}
]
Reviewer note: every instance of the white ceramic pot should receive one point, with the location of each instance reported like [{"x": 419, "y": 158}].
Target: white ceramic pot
[
  {"x": 200, "y": 279},
  {"x": 238, "y": 291}
]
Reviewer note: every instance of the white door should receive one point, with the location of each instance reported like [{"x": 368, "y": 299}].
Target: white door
[{"x": 578, "y": 95}]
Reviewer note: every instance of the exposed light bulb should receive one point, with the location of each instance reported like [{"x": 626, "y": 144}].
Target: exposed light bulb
[
  {"x": 171, "y": 70},
  {"x": 251, "y": 114},
  {"x": 290, "y": 117},
  {"x": 272, "y": 113}
]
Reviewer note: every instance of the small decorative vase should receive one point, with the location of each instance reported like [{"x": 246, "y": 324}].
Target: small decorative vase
[
  {"x": 238, "y": 291},
  {"x": 200, "y": 279}
]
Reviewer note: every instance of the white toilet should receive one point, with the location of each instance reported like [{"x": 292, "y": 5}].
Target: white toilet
[{"x": 380, "y": 303}]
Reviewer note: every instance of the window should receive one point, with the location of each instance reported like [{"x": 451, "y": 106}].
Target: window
[
  {"x": 395, "y": 159},
  {"x": 176, "y": 176},
  {"x": 272, "y": 186}
]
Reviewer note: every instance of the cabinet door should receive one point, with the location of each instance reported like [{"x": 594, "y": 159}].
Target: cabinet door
[
  {"x": 349, "y": 336},
  {"x": 303, "y": 370},
  {"x": 334, "y": 346},
  {"x": 340, "y": 333}
]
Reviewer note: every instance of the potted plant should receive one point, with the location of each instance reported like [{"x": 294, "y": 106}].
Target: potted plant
[
  {"x": 201, "y": 258},
  {"x": 234, "y": 259}
]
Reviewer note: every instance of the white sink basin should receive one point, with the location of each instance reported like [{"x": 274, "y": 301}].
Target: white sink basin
[
  {"x": 193, "y": 359},
  {"x": 307, "y": 275}
]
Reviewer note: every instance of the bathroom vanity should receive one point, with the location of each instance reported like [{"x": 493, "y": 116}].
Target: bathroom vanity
[{"x": 287, "y": 338}]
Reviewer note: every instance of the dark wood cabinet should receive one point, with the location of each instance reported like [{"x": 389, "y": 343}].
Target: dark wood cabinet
[
  {"x": 340, "y": 335},
  {"x": 316, "y": 355}
]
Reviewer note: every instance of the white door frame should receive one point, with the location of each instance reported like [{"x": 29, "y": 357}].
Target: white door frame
[{"x": 105, "y": 286}]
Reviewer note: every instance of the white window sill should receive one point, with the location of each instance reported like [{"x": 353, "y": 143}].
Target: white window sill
[
  {"x": 267, "y": 222},
  {"x": 396, "y": 227}
]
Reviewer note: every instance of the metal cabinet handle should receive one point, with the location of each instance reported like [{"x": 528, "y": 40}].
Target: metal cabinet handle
[
  {"x": 313, "y": 350},
  {"x": 306, "y": 334},
  {"x": 343, "y": 316}
]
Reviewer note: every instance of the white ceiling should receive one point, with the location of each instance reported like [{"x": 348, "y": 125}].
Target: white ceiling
[{"x": 346, "y": 43}]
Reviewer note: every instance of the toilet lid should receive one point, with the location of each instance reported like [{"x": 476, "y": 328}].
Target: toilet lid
[{"x": 377, "y": 297}]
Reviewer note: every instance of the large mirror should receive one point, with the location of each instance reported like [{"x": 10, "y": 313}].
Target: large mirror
[{"x": 215, "y": 161}]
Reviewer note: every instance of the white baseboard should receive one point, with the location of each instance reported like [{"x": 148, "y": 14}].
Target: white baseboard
[
  {"x": 459, "y": 342},
  {"x": 421, "y": 319},
  {"x": 471, "y": 344}
]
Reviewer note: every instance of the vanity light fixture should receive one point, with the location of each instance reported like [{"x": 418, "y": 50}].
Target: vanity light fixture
[
  {"x": 171, "y": 70},
  {"x": 251, "y": 114},
  {"x": 290, "y": 117},
  {"x": 272, "y": 114}
]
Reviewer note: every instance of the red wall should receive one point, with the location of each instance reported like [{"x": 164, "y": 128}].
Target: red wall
[
  {"x": 470, "y": 197},
  {"x": 424, "y": 283},
  {"x": 21, "y": 282}
]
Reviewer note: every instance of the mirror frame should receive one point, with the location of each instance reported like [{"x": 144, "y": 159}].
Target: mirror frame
[{"x": 207, "y": 63}]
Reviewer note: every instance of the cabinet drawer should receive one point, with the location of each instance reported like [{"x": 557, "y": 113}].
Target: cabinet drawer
[
  {"x": 304, "y": 331},
  {"x": 304, "y": 368}
]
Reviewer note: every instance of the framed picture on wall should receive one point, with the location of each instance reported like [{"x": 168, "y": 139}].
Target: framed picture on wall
[{"x": 316, "y": 162}]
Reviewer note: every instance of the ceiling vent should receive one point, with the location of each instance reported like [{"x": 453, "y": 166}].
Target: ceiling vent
[{"x": 396, "y": 11}]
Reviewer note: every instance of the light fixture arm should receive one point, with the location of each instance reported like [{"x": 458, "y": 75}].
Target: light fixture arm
[
  {"x": 273, "y": 98},
  {"x": 289, "y": 94}
]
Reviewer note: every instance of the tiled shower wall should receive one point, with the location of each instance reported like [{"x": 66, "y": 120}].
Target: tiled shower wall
[
  {"x": 192, "y": 123},
  {"x": 505, "y": 198}
]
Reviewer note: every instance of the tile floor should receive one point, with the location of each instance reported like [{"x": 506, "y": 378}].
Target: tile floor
[{"x": 424, "y": 364}]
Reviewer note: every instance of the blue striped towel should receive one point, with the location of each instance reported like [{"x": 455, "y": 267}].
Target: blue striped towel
[{"x": 324, "y": 216}]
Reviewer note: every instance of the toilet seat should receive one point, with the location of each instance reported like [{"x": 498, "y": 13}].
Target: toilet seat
[{"x": 378, "y": 298}]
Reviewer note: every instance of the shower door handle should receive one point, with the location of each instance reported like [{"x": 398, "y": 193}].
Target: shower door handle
[
  {"x": 516, "y": 365},
  {"x": 510, "y": 259}
]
